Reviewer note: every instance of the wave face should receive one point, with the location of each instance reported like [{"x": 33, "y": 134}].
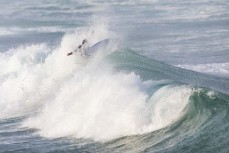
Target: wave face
[{"x": 129, "y": 97}]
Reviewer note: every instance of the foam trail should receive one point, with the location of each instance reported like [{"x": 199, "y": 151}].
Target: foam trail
[
  {"x": 5, "y": 32},
  {"x": 221, "y": 69}
]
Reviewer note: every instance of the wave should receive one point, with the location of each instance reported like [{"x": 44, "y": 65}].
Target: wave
[
  {"x": 200, "y": 128},
  {"x": 213, "y": 68},
  {"x": 118, "y": 96},
  {"x": 5, "y": 32},
  {"x": 149, "y": 69},
  {"x": 107, "y": 106},
  {"x": 22, "y": 31}
]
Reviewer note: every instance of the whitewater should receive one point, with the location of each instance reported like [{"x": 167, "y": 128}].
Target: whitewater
[{"x": 161, "y": 84}]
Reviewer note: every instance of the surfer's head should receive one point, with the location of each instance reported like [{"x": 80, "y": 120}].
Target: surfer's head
[
  {"x": 79, "y": 46},
  {"x": 84, "y": 41}
]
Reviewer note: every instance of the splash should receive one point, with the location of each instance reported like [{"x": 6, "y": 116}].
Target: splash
[
  {"x": 73, "y": 97},
  {"x": 31, "y": 74},
  {"x": 102, "y": 105}
]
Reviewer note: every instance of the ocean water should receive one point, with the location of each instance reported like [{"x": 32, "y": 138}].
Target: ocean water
[{"x": 161, "y": 85}]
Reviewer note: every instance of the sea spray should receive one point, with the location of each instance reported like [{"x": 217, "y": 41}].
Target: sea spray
[
  {"x": 30, "y": 74},
  {"x": 103, "y": 105}
]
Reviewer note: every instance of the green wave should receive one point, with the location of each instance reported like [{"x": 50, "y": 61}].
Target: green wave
[
  {"x": 151, "y": 69},
  {"x": 204, "y": 125}
]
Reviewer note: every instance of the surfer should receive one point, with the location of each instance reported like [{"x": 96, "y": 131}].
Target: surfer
[
  {"x": 81, "y": 49},
  {"x": 84, "y": 48}
]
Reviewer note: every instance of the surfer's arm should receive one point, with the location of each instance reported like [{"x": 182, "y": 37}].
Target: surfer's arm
[{"x": 69, "y": 53}]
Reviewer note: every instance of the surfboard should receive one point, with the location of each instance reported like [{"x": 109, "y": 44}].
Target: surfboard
[{"x": 97, "y": 46}]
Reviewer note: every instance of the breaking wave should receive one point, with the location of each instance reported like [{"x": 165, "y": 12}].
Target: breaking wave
[{"x": 117, "y": 95}]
